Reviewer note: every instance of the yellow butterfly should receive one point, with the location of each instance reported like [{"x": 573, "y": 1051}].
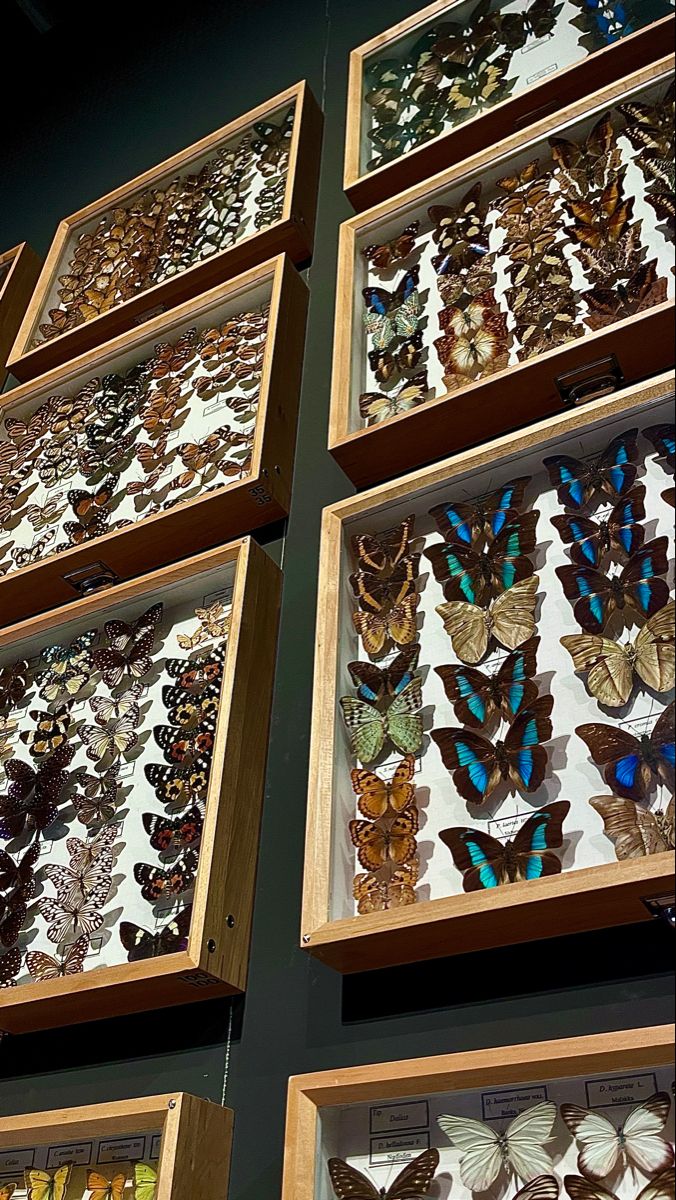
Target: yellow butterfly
[
  {"x": 106, "y": 1189},
  {"x": 145, "y": 1182},
  {"x": 611, "y": 666},
  {"x": 40, "y": 1185},
  {"x": 510, "y": 620}
]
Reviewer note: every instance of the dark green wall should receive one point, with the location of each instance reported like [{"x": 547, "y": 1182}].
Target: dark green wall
[{"x": 97, "y": 103}]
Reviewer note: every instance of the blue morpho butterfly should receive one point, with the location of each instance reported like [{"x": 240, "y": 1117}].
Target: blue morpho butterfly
[
  {"x": 663, "y": 438},
  {"x": 615, "y": 19},
  {"x": 477, "y": 697},
  {"x": 487, "y": 863},
  {"x": 595, "y": 596},
  {"x": 375, "y": 684},
  {"x": 613, "y": 472},
  {"x": 478, "y": 766},
  {"x": 478, "y": 576},
  {"x": 632, "y": 764},
  {"x": 621, "y": 530},
  {"x": 393, "y": 314},
  {"x": 471, "y": 523}
]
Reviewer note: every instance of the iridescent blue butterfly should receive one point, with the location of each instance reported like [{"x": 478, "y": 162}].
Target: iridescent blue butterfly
[
  {"x": 378, "y": 683},
  {"x": 621, "y": 530},
  {"x": 663, "y": 438},
  {"x": 632, "y": 765},
  {"x": 487, "y": 863},
  {"x": 478, "y": 766},
  {"x": 613, "y": 472},
  {"x": 478, "y": 576},
  {"x": 383, "y": 302},
  {"x": 467, "y": 524},
  {"x": 595, "y": 596},
  {"x": 614, "y": 19},
  {"x": 393, "y": 314},
  {"x": 477, "y": 697}
]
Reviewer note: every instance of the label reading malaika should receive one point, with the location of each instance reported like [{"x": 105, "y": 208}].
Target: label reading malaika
[
  {"x": 509, "y": 1102},
  {"x": 394, "y": 1118},
  {"x": 403, "y": 1149},
  {"x": 630, "y": 1089}
]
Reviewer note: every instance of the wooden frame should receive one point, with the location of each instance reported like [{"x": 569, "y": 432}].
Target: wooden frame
[
  {"x": 499, "y": 1067},
  {"x": 509, "y": 399},
  {"x": 16, "y": 288},
  {"x": 183, "y": 1121},
  {"x": 260, "y": 497},
  {"x": 556, "y": 90},
  {"x": 293, "y": 234},
  {"x": 216, "y": 960},
  {"x": 577, "y": 900}
]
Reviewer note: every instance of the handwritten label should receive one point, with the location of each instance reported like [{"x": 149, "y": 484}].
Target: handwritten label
[
  {"x": 13, "y": 1161},
  {"x": 504, "y": 828},
  {"x": 398, "y": 1149},
  {"x": 122, "y": 1150},
  {"x": 392, "y": 1118},
  {"x": 80, "y": 1155},
  {"x": 630, "y": 1089},
  {"x": 508, "y": 1103}
]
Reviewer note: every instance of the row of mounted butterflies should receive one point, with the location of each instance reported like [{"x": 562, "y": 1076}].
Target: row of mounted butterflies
[
  {"x": 457, "y": 69},
  {"x": 122, "y": 436},
  {"x": 555, "y": 222},
  {"x": 485, "y": 567},
  {"x": 58, "y": 1185},
  {"x": 520, "y": 1154},
  {"x": 166, "y": 230},
  {"x": 43, "y": 793}
]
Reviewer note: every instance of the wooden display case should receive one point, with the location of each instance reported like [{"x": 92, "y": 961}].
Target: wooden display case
[
  {"x": 593, "y": 891},
  {"x": 380, "y": 1117},
  {"x": 160, "y": 1132},
  {"x": 549, "y": 72},
  {"x": 43, "y": 565},
  {"x": 292, "y": 231},
  {"x": 466, "y": 408},
  {"x": 19, "y": 271},
  {"x": 187, "y": 937}
]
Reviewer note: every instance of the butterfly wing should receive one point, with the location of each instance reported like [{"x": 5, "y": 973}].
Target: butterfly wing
[
  {"x": 534, "y": 842},
  {"x": 479, "y": 856},
  {"x": 661, "y": 1188},
  {"x": 513, "y": 614},
  {"x": 598, "y": 1142},
  {"x": 468, "y": 628},
  {"x": 663, "y": 438},
  {"x": 403, "y": 719},
  {"x": 662, "y": 741},
  {"x": 350, "y": 1184},
  {"x": 634, "y": 830},
  {"x": 481, "y": 1158},
  {"x": 645, "y": 1144},
  {"x": 415, "y": 1180},
  {"x": 472, "y": 761},
  {"x": 643, "y": 588},
  {"x": 655, "y": 652},
  {"x": 545, "y": 1187},
  {"x": 621, "y": 755},
  {"x": 366, "y": 728},
  {"x": 610, "y": 674},
  {"x": 145, "y": 1181},
  {"x": 527, "y": 757},
  {"x": 526, "y": 1139},
  {"x": 583, "y": 1189}
]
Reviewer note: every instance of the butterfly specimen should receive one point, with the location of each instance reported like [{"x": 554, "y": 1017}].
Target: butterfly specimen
[
  {"x": 488, "y": 863},
  {"x": 7, "y": 1190},
  {"x": 477, "y": 698},
  {"x": 636, "y": 831},
  {"x": 186, "y": 748},
  {"x": 469, "y": 523},
  {"x": 33, "y": 795},
  {"x": 477, "y": 576},
  {"x": 26, "y": 556},
  {"x": 474, "y": 340},
  {"x": 190, "y": 713},
  {"x": 510, "y": 621},
  {"x": 96, "y": 801},
  {"x": 486, "y": 1154},
  {"x": 145, "y": 1181},
  {"x": 663, "y": 438},
  {"x": 632, "y": 765},
  {"x": 612, "y": 473},
  {"x": 111, "y": 454},
  {"x": 17, "y": 888},
  {"x": 101, "y": 1188},
  {"x": 478, "y": 765},
  {"x": 401, "y": 690},
  {"x": 391, "y": 840},
  {"x": 606, "y": 21},
  {"x": 595, "y": 596},
  {"x": 169, "y": 836},
  {"x": 157, "y": 883},
  {"x": 43, "y": 1185},
  {"x": 10, "y": 965},
  {"x": 391, "y": 254},
  {"x": 13, "y": 684},
  {"x": 639, "y": 1141},
  {"x": 129, "y": 648},
  {"x": 612, "y": 667},
  {"x": 414, "y": 1181},
  {"x": 661, "y": 1188},
  {"x": 50, "y": 732},
  {"x": 91, "y": 510},
  {"x": 388, "y": 364},
  {"x": 213, "y": 622},
  {"x": 621, "y": 531},
  {"x": 393, "y": 314},
  {"x": 77, "y": 916},
  {"x": 113, "y": 740},
  {"x": 374, "y": 894},
  {"x": 172, "y": 938},
  {"x": 112, "y": 708},
  {"x": 68, "y": 668},
  {"x": 44, "y": 967},
  {"x": 42, "y": 516},
  {"x": 378, "y": 797}
]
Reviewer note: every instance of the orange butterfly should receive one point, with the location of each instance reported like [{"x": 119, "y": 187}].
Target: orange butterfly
[
  {"x": 387, "y": 841},
  {"x": 379, "y": 797},
  {"x": 106, "y": 1189},
  {"x": 375, "y": 895}
]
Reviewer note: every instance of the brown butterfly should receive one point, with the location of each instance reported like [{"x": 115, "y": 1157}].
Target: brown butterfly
[
  {"x": 50, "y": 732},
  {"x": 388, "y": 840},
  {"x": 91, "y": 510},
  {"x": 636, "y": 831},
  {"x": 414, "y": 1182},
  {"x": 391, "y": 254},
  {"x": 378, "y": 895},
  {"x": 379, "y": 797}
]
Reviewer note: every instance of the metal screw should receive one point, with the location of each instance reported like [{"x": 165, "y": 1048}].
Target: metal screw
[
  {"x": 211, "y": 946},
  {"x": 307, "y": 937},
  {"x": 230, "y": 922}
]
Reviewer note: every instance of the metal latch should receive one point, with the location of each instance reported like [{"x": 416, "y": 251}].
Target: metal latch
[
  {"x": 590, "y": 382},
  {"x": 663, "y": 908},
  {"x": 95, "y": 577}
]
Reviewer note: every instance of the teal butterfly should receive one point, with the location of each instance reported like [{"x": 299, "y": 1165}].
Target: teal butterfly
[{"x": 487, "y": 863}]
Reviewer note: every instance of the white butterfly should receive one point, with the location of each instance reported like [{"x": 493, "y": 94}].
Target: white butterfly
[
  {"x": 519, "y": 1150},
  {"x": 639, "y": 1141},
  {"x": 109, "y": 708},
  {"x": 117, "y": 738},
  {"x": 661, "y": 1188}
]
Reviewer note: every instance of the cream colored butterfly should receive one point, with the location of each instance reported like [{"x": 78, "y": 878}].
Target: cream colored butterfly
[
  {"x": 214, "y": 622},
  {"x": 520, "y": 1150},
  {"x": 639, "y": 1141},
  {"x": 145, "y": 1182}
]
